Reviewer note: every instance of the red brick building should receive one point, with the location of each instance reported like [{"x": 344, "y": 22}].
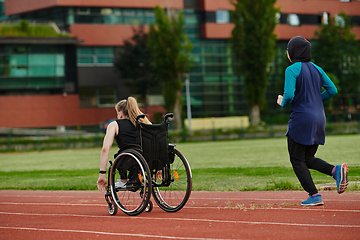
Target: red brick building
[{"x": 50, "y": 98}]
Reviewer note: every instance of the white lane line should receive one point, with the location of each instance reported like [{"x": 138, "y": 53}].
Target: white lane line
[
  {"x": 199, "y": 207},
  {"x": 56, "y": 204},
  {"x": 268, "y": 199},
  {"x": 105, "y": 233},
  {"x": 191, "y": 219},
  {"x": 191, "y": 198}
]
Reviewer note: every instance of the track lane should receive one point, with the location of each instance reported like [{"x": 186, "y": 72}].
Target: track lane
[{"x": 208, "y": 215}]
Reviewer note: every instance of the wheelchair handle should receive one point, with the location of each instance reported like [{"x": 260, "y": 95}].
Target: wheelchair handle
[
  {"x": 169, "y": 117},
  {"x": 140, "y": 116}
]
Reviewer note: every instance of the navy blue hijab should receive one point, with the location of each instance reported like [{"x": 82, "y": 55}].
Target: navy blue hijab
[{"x": 299, "y": 49}]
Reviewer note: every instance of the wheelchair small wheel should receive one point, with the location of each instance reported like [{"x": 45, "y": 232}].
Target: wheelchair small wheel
[
  {"x": 112, "y": 208},
  {"x": 175, "y": 196},
  {"x": 149, "y": 207},
  {"x": 133, "y": 196}
]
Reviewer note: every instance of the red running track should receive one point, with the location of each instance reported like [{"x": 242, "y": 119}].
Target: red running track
[{"x": 207, "y": 215}]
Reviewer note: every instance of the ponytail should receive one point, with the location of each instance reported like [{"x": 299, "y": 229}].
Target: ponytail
[{"x": 131, "y": 110}]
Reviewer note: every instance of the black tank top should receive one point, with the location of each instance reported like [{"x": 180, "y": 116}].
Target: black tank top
[{"x": 126, "y": 134}]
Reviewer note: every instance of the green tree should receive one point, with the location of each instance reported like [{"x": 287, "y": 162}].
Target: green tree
[
  {"x": 170, "y": 49},
  {"x": 134, "y": 64},
  {"x": 336, "y": 50},
  {"x": 253, "y": 42}
]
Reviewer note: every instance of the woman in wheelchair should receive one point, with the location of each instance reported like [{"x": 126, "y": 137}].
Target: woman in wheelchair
[{"x": 124, "y": 132}]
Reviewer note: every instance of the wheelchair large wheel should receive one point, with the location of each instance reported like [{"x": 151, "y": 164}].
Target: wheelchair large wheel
[
  {"x": 173, "y": 197},
  {"x": 132, "y": 197}
]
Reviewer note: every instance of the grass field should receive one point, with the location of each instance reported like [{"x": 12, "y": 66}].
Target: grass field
[{"x": 256, "y": 164}]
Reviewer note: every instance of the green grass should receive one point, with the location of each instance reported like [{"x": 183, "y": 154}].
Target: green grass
[
  {"x": 24, "y": 29},
  {"x": 245, "y": 165}
]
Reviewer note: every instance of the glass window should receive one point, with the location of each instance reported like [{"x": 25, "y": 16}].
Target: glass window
[
  {"x": 210, "y": 49},
  {"x": 60, "y": 71},
  {"x": 149, "y": 17},
  {"x": 117, "y": 11},
  {"x": 339, "y": 21},
  {"x": 23, "y": 69},
  {"x": 97, "y": 96},
  {"x": 106, "y": 11},
  {"x": 191, "y": 20},
  {"x": 129, "y": 16},
  {"x": 196, "y": 59},
  {"x": 95, "y": 11},
  {"x": 139, "y": 19},
  {"x": 40, "y": 49},
  {"x": 117, "y": 16},
  {"x": 95, "y": 55},
  {"x": 108, "y": 17},
  {"x": 83, "y": 11},
  {"x": 85, "y": 60},
  {"x": 60, "y": 60},
  {"x": 222, "y": 16},
  {"x": 2, "y": 10},
  {"x": 278, "y": 16},
  {"x": 42, "y": 59},
  {"x": 196, "y": 49},
  {"x": 103, "y": 60},
  {"x": 87, "y": 97},
  {"x": 104, "y": 50},
  {"x": 211, "y": 59},
  {"x": 18, "y": 60},
  {"x": 15, "y": 49},
  {"x": 18, "y": 71},
  {"x": 293, "y": 20},
  {"x": 212, "y": 79},
  {"x": 41, "y": 71},
  {"x": 212, "y": 69},
  {"x": 13, "y": 82},
  {"x": 324, "y": 18},
  {"x": 106, "y": 96},
  {"x": 84, "y": 50},
  {"x": 70, "y": 16}
]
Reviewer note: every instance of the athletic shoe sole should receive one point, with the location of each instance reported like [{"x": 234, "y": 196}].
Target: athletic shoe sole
[
  {"x": 313, "y": 204},
  {"x": 344, "y": 179}
]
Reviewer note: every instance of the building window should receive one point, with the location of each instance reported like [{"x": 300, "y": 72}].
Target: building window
[
  {"x": 293, "y": 20},
  {"x": 23, "y": 67},
  {"x": 97, "y": 96},
  {"x": 2, "y": 10},
  {"x": 278, "y": 16},
  {"x": 222, "y": 16},
  {"x": 95, "y": 56},
  {"x": 339, "y": 21},
  {"x": 324, "y": 18},
  {"x": 34, "y": 65},
  {"x": 83, "y": 11}
]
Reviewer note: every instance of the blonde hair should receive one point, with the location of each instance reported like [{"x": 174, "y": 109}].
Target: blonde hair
[{"x": 130, "y": 109}]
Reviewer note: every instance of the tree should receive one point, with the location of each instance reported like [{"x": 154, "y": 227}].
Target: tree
[
  {"x": 336, "y": 50},
  {"x": 170, "y": 50},
  {"x": 253, "y": 42},
  {"x": 134, "y": 64}
]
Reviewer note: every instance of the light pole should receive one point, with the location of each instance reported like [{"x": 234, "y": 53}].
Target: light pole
[{"x": 188, "y": 102}]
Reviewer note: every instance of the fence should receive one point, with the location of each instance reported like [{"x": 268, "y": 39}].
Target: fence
[{"x": 215, "y": 129}]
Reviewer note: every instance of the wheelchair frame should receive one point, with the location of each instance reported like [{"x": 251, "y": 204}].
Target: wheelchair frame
[{"x": 171, "y": 191}]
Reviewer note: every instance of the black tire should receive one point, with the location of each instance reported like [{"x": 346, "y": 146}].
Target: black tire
[
  {"x": 112, "y": 208},
  {"x": 173, "y": 197},
  {"x": 135, "y": 196}
]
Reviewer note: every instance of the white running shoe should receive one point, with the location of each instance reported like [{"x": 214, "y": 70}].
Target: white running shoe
[{"x": 120, "y": 184}]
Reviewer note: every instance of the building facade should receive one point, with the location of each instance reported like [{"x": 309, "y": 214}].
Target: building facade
[{"x": 101, "y": 27}]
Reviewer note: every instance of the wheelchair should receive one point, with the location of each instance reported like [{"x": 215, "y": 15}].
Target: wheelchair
[{"x": 152, "y": 167}]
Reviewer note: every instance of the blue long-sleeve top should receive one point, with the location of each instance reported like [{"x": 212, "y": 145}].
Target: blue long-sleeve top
[{"x": 303, "y": 89}]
